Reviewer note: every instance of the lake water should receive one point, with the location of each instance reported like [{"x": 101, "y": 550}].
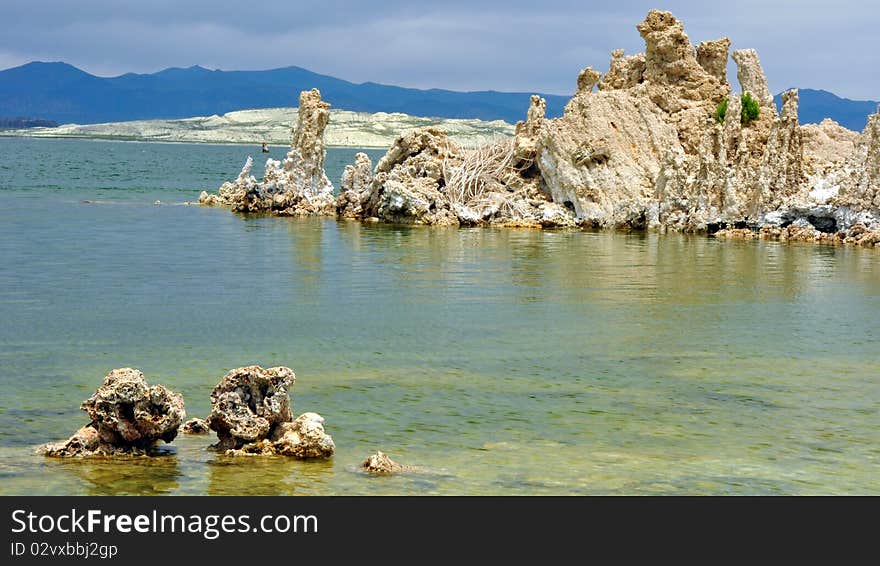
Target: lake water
[{"x": 502, "y": 361}]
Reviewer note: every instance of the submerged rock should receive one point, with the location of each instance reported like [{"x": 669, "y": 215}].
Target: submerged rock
[
  {"x": 251, "y": 414},
  {"x": 127, "y": 417},
  {"x": 380, "y": 463},
  {"x": 195, "y": 426},
  {"x": 298, "y": 186}
]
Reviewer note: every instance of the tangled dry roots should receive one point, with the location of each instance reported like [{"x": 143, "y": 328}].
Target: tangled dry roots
[{"x": 479, "y": 180}]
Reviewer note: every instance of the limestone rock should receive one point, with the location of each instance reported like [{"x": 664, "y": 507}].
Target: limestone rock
[
  {"x": 676, "y": 82},
  {"x": 248, "y": 403},
  {"x": 127, "y": 417},
  {"x": 623, "y": 72},
  {"x": 826, "y": 145},
  {"x": 602, "y": 157},
  {"x": 752, "y": 80},
  {"x": 355, "y": 187},
  {"x": 750, "y": 75},
  {"x": 297, "y": 186},
  {"x": 251, "y": 414},
  {"x": 859, "y": 194},
  {"x": 782, "y": 173},
  {"x": 526, "y": 138},
  {"x": 641, "y": 150},
  {"x": 407, "y": 184},
  {"x": 307, "y": 138},
  {"x": 83, "y": 442},
  {"x": 303, "y": 438},
  {"x": 195, "y": 426},
  {"x": 586, "y": 80},
  {"x": 379, "y": 463},
  {"x": 424, "y": 178},
  {"x": 712, "y": 56}
]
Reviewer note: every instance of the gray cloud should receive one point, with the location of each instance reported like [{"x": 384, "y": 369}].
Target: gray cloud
[{"x": 514, "y": 45}]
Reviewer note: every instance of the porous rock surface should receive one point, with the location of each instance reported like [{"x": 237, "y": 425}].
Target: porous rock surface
[
  {"x": 127, "y": 416},
  {"x": 251, "y": 414},
  {"x": 298, "y": 186}
]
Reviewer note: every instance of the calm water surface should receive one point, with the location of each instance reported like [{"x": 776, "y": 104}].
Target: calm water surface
[{"x": 502, "y": 361}]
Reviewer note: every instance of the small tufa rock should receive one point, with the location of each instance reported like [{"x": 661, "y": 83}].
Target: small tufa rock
[
  {"x": 303, "y": 438},
  {"x": 127, "y": 417},
  {"x": 379, "y": 463},
  {"x": 248, "y": 403},
  {"x": 195, "y": 426},
  {"x": 354, "y": 189},
  {"x": 251, "y": 414}
]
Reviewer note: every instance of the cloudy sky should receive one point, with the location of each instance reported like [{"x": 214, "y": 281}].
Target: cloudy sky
[{"x": 513, "y": 45}]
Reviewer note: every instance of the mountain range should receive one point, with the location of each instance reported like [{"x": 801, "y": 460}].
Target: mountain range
[{"x": 63, "y": 93}]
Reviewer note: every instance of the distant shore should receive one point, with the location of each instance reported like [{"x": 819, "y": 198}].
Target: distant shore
[{"x": 273, "y": 126}]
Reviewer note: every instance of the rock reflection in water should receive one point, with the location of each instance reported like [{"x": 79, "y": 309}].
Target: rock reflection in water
[
  {"x": 268, "y": 475},
  {"x": 125, "y": 475}
]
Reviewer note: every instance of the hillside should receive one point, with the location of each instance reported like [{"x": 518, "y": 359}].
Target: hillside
[{"x": 273, "y": 126}]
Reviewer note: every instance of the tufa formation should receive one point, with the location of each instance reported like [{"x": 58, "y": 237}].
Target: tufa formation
[
  {"x": 127, "y": 417},
  {"x": 251, "y": 414},
  {"x": 296, "y": 187},
  {"x": 644, "y": 146}
]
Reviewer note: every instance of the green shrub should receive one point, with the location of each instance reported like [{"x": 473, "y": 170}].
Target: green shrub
[
  {"x": 750, "y": 109},
  {"x": 721, "y": 111}
]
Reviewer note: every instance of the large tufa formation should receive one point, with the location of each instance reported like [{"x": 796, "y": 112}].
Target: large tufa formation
[
  {"x": 645, "y": 149},
  {"x": 297, "y": 186},
  {"x": 647, "y": 145},
  {"x": 251, "y": 414},
  {"x": 127, "y": 417}
]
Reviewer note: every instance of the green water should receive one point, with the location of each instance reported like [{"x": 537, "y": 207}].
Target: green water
[{"x": 501, "y": 361}]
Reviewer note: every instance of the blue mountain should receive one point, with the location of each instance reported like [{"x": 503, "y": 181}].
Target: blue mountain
[
  {"x": 816, "y": 105},
  {"x": 65, "y": 94}
]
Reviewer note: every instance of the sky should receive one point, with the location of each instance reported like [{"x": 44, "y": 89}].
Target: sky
[{"x": 509, "y": 45}]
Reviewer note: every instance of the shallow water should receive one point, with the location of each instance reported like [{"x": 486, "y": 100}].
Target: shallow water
[{"x": 501, "y": 361}]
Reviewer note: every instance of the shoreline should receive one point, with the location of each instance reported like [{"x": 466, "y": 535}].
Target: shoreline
[
  {"x": 176, "y": 142},
  {"x": 759, "y": 234}
]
